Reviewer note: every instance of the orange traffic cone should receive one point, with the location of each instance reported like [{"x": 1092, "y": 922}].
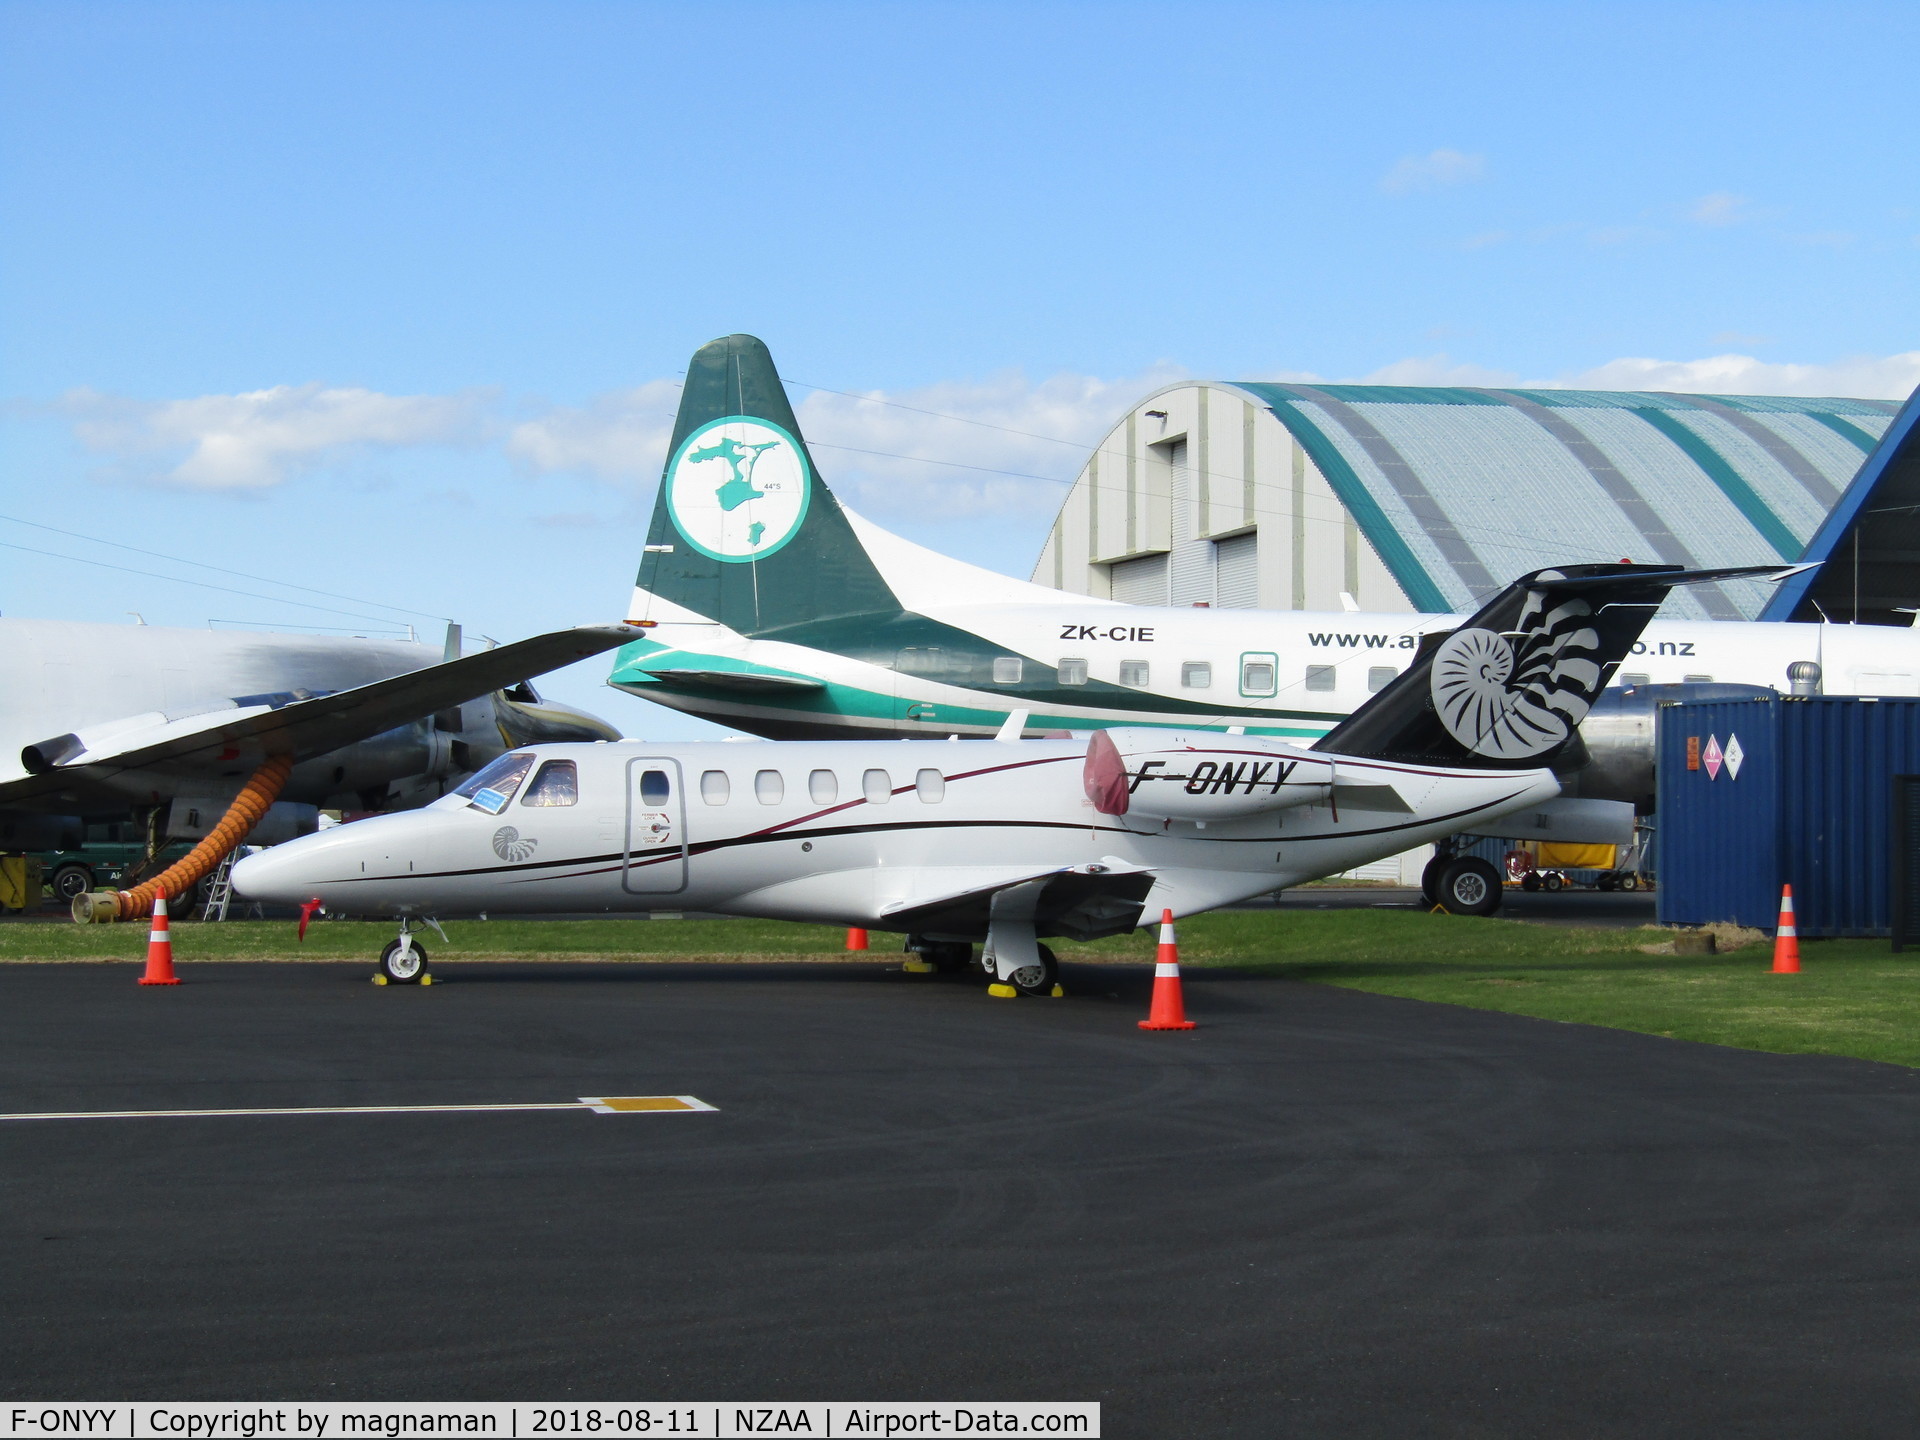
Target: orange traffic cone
[
  {"x": 856, "y": 938},
  {"x": 1169, "y": 1012},
  {"x": 159, "y": 947},
  {"x": 1786, "y": 940}
]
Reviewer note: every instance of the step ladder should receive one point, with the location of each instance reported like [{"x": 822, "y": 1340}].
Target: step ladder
[{"x": 220, "y": 888}]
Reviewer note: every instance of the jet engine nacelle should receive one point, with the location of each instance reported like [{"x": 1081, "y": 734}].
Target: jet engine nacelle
[{"x": 1168, "y": 775}]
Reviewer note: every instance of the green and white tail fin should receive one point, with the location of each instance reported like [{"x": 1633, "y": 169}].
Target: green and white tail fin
[{"x": 744, "y": 530}]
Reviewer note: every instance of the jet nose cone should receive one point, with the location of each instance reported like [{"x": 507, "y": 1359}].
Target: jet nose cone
[{"x": 273, "y": 875}]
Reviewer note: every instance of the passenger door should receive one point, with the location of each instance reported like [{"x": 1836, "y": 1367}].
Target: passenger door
[{"x": 655, "y": 861}]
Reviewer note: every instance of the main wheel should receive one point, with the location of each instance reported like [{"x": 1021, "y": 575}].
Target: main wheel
[
  {"x": 1470, "y": 886},
  {"x": 1037, "y": 979},
  {"x": 946, "y": 956},
  {"x": 403, "y": 970},
  {"x": 70, "y": 882}
]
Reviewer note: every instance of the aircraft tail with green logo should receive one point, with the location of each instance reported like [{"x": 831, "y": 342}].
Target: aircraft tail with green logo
[{"x": 744, "y": 531}]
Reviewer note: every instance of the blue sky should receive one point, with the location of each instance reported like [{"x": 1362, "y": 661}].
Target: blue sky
[{"x": 390, "y": 298}]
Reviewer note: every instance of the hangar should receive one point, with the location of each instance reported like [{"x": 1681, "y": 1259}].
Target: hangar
[{"x": 1423, "y": 498}]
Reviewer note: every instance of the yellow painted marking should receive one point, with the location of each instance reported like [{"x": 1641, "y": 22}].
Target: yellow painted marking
[
  {"x": 624, "y": 1104},
  {"x": 612, "y": 1105}
]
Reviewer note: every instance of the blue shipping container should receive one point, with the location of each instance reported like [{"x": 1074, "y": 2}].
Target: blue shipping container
[{"x": 1754, "y": 794}]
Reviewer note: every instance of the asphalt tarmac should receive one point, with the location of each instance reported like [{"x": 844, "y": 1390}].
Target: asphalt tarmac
[{"x": 1321, "y": 1213}]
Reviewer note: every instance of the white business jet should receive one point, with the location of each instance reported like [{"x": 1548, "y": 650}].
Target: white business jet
[{"x": 963, "y": 842}]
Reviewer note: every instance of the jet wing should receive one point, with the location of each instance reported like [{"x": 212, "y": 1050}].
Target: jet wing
[
  {"x": 304, "y": 725},
  {"x": 1083, "y": 902}
]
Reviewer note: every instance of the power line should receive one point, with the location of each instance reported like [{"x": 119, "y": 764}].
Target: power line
[
  {"x": 203, "y": 584},
  {"x": 218, "y": 569}
]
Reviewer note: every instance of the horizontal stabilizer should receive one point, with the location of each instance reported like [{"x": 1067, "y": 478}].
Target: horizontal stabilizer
[
  {"x": 1508, "y": 689},
  {"x": 305, "y": 725},
  {"x": 745, "y": 681}
]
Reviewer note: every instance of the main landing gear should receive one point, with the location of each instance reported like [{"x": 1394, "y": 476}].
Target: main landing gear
[
  {"x": 1461, "y": 884},
  {"x": 404, "y": 961},
  {"x": 1012, "y": 968}
]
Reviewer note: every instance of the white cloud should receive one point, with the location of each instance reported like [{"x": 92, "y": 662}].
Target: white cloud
[
  {"x": 1433, "y": 171},
  {"x": 621, "y": 435},
  {"x": 891, "y": 458},
  {"x": 1722, "y": 207},
  {"x": 1438, "y": 370},
  {"x": 1864, "y": 377},
  {"x": 254, "y": 440},
  {"x": 949, "y": 450}
]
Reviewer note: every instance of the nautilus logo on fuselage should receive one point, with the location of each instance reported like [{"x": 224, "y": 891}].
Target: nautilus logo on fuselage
[{"x": 737, "y": 488}]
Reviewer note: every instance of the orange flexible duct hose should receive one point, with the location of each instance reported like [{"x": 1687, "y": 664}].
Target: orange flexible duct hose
[{"x": 253, "y": 801}]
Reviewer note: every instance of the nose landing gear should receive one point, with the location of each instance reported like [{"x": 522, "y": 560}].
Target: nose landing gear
[{"x": 404, "y": 961}]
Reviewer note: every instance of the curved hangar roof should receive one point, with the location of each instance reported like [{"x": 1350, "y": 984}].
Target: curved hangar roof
[{"x": 1458, "y": 490}]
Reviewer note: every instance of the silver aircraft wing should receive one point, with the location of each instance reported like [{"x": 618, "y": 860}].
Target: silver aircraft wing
[{"x": 299, "y": 723}]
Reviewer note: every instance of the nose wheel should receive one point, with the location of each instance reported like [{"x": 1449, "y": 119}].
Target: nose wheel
[{"x": 404, "y": 961}]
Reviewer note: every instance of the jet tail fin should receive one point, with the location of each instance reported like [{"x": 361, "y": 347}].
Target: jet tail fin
[
  {"x": 744, "y": 531},
  {"x": 1508, "y": 689}
]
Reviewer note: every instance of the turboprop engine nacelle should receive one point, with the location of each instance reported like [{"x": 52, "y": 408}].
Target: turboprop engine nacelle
[{"x": 1168, "y": 775}]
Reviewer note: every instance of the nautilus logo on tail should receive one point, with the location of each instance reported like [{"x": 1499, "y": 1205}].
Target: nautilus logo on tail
[
  {"x": 737, "y": 488},
  {"x": 508, "y": 845},
  {"x": 1512, "y": 702}
]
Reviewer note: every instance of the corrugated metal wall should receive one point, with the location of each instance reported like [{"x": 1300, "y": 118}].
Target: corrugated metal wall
[{"x": 1806, "y": 804}]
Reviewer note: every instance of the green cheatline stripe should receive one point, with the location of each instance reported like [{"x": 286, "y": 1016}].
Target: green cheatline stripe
[
  {"x": 1785, "y": 543},
  {"x": 1367, "y": 514},
  {"x": 1840, "y": 427}
]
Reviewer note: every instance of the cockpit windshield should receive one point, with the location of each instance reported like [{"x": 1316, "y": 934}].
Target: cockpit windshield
[{"x": 490, "y": 789}]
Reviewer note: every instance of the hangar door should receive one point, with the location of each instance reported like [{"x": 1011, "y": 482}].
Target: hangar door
[{"x": 655, "y": 862}]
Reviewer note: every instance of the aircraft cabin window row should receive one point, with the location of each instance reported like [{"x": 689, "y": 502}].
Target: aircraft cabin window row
[{"x": 823, "y": 787}]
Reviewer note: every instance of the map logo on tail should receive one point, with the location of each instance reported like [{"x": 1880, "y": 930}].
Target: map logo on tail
[{"x": 738, "y": 488}]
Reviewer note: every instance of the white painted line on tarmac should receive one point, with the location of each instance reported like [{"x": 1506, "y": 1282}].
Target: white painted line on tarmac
[{"x": 598, "y": 1104}]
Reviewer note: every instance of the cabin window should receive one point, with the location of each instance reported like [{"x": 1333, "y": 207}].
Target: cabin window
[
  {"x": 655, "y": 788},
  {"x": 493, "y": 787},
  {"x": 1196, "y": 675},
  {"x": 931, "y": 786},
  {"x": 1259, "y": 673},
  {"x": 1379, "y": 677},
  {"x": 1697, "y": 679},
  {"x": 769, "y": 788},
  {"x": 1321, "y": 677},
  {"x": 715, "y": 788},
  {"x": 1073, "y": 672},
  {"x": 1632, "y": 680},
  {"x": 557, "y": 784},
  {"x": 823, "y": 786},
  {"x": 1134, "y": 673},
  {"x": 877, "y": 786},
  {"x": 1006, "y": 669}
]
